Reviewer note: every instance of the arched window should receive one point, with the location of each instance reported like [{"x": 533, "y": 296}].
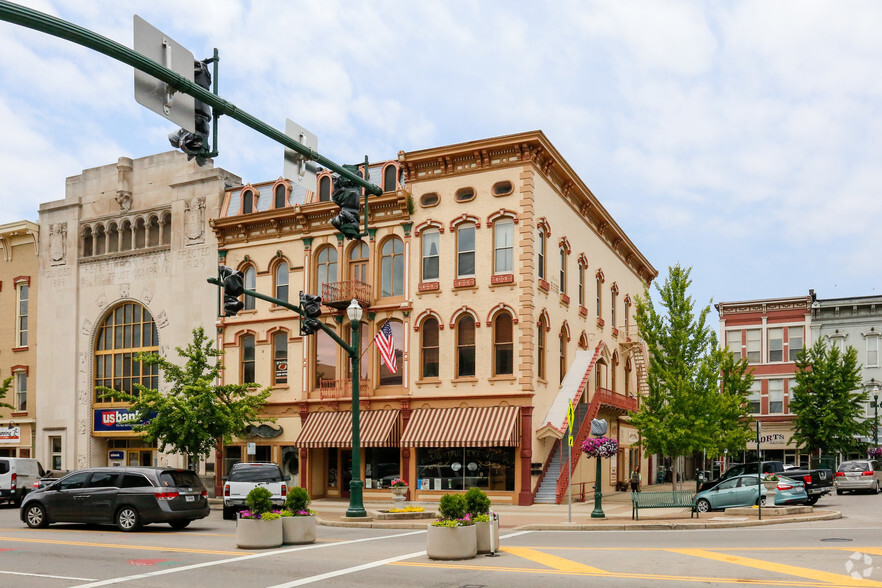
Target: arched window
[
  {"x": 280, "y": 201},
  {"x": 612, "y": 307},
  {"x": 389, "y": 178},
  {"x": 126, "y": 236},
  {"x": 113, "y": 239},
  {"x": 87, "y": 242},
  {"x": 392, "y": 268},
  {"x": 563, "y": 270},
  {"x": 540, "y": 247},
  {"x": 127, "y": 329},
  {"x": 600, "y": 374},
  {"x": 465, "y": 250},
  {"x": 358, "y": 262},
  {"x": 562, "y": 345},
  {"x": 465, "y": 346},
  {"x": 627, "y": 314},
  {"x": 166, "y": 228},
  {"x": 250, "y": 282},
  {"x": 280, "y": 358},
  {"x": 540, "y": 348},
  {"x": 282, "y": 281},
  {"x": 325, "y": 358},
  {"x": 325, "y": 189},
  {"x": 247, "y": 353},
  {"x": 503, "y": 345},
  {"x": 100, "y": 240},
  {"x": 247, "y": 201},
  {"x": 153, "y": 232},
  {"x": 431, "y": 246},
  {"x": 628, "y": 377},
  {"x": 503, "y": 240},
  {"x": 429, "y": 360},
  {"x": 325, "y": 268},
  {"x": 140, "y": 234},
  {"x": 387, "y": 378}
]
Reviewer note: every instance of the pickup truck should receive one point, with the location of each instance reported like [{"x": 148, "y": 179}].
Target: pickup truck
[
  {"x": 817, "y": 482},
  {"x": 244, "y": 477}
]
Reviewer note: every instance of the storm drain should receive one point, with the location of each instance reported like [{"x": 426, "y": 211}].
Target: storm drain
[{"x": 837, "y": 540}]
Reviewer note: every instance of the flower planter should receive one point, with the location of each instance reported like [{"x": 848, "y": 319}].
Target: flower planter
[
  {"x": 399, "y": 495},
  {"x": 483, "y": 532},
  {"x": 452, "y": 542},
  {"x": 258, "y": 534},
  {"x": 297, "y": 530},
  {"x": 771, "y": 487}
]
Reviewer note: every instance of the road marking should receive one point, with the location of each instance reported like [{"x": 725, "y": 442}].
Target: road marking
[
  {"x": 123, "y": 546},
  {"x": 553, "y": 561},
  {"x": 47, "y": 576},
  {"x": 238, "y": 559},
  {"x": 334, "y": 574},
  {"x": 834, "y": 579}
]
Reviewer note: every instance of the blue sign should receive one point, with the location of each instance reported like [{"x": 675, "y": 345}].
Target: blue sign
[
  {"x": 116, "y": 454},
  {"x": 115, "y": 420}
]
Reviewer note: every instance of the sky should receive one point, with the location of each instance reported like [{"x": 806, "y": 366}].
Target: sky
[{"x": 741, "y": 139}]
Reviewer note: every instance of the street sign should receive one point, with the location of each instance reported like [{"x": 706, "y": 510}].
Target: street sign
[
  {"x": 570, "y": 440},
  {"x": 297, "y": 167},
  {"x": 571, "y": 417},
  {"x": 156, "y": 94},
  {"x": 251, "y": 448}
]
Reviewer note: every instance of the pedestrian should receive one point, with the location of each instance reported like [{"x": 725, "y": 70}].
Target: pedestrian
[{"x": 636, "y": 478}]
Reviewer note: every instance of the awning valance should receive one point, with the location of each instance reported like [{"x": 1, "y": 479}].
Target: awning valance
[
  {"x": 474, "y": 426},
  {"x": 377, "y": 428}
]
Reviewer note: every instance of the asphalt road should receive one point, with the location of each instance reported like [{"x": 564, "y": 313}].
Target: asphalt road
[{"x": 823, "y": 553}]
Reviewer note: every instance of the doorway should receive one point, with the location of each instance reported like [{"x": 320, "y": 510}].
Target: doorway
[
  {"x": 139, "y": 457},
  {"x": 346, "y": 459}
]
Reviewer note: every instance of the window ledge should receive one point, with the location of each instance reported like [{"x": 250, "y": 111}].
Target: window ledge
[
  {"x": 428, "y": 382},
  {"x": 564, "y": 299},
  {"x": 465, "y": 380},
  {"x": 276, "y": 308},
  {"x": 281, "y": 386},
  {"x": 507, "y": 278},
  {"x": 19, "y": 413},
  {"x": 25, "y": 348},
  {"x": 464, "y": 283},
  {"x": 583, "y": 312},
  {"x": 543, "y": 285},
  {"x": 504, "y": 378},
  {"x": 433, "y": 286}
]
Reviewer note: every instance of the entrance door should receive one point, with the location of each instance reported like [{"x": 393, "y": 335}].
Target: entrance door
[
  {"x": 346, "y": 459},
  {"x": 139, "y": 457}
]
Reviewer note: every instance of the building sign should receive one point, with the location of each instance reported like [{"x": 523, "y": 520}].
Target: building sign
[
  {"x": 10, "y": 435},
  {"x": 116, "y": 455},
  {"x": 115, "y": 420},
  {"x": 772, "y": 437},
  {"x": 281, "y": 371}
]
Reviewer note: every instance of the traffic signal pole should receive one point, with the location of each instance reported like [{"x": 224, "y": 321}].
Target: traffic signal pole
[{"x": 44, "y": 23}]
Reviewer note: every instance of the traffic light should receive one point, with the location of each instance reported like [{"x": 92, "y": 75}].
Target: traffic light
[
  {"x": 233, "y": 288},
  {"x": 347, "y": 196},
  {"x": 312, "y": 309},
  {"x": 195, "y": 144}
]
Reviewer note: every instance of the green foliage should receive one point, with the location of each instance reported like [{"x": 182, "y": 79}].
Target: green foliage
[
  {"x": 259, "y": 500},
  {"x": 452, "y": 507},
  {"x": 477, "y": 502},
  {"x": 195, "y": 413},
  {"x": 445, "y": 523},
  {"x": 270, "y": 516},
  {"x": 697, "y": 392},
  {"x": 4, "y": 387},
  {"x": 297, "y": 499},
  {"x": 828, "y": 400}
]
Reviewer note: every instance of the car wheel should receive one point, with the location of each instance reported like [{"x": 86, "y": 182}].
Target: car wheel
[
  {"x": 761, "y": 500},
  {"x": 128, "y": 519},
  {"x": 702, "y": 505},
  {"x": 35, "y": 516},
  {"x": 875, "y": 489},
  {"x": 180, "y": 524},
  {"x": 229, "y": 513},
  {"x": 838, "y": 492}
]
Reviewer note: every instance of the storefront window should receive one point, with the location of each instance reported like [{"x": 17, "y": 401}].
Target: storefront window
[
  {"x": 232, "y": 455},
  {"x": 461, "y": 468},
  {"x": 381, "y": 466}
]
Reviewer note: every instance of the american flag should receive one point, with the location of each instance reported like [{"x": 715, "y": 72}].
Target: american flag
[{"x": 386, "y": 345}]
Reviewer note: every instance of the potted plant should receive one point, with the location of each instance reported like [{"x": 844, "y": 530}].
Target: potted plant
[
  {"x": 770, "y": 481},
  {"x": 258, "y": 527},
  {"x": 298, "y": 521},
  {"x": 399, "y": 491},
  {"x": 478, "y": 508},
  {"x": 453, "y": 536}
]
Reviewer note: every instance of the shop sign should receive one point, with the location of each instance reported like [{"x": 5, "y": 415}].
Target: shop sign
[
  {"x": 10, "y": 435},
  {"x": 116, "y": 454},
  {"x": 115, "y": 420},
  {"x": 281, "y": 371}
]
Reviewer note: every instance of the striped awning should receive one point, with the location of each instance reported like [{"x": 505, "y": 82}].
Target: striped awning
[
  {"x": 377, "y": 428},
  {"x": 474, "y": 426}
]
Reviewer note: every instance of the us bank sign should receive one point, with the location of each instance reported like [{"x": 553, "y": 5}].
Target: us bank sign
[{"x": 115, "y": 420}]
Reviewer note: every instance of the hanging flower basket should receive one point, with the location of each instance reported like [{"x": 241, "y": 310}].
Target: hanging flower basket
[
  {"x": 875, "y": 452},
  {"x": 600, "y": 447}
]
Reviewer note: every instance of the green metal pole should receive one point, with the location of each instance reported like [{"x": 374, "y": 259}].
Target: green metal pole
[
  {"x": 356, "y": 502},
  {"x": 57, "y": 27},
  {"x": 876, "y": 420},
  {"x": 597, "y": 513}
]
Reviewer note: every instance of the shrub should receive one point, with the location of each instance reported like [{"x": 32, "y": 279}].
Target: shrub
[
  {"x": 477, "y": 502},
  {"x": 297, "y": 499},
  {"x": 453, "y": 507},
  {"x": 259, "y": 500}
]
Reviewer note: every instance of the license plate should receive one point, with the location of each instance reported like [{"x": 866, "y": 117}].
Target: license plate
[{"x": 189, "y": 498}]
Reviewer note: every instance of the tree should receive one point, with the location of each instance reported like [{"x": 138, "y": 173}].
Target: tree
[
  {"x": 195, "y": 413},
  {"x": 828, "y": 400},
  {"x": 696, "y": 399},
  {"x": 4, "y": 387}
]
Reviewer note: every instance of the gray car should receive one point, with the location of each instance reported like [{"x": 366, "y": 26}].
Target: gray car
[
  {"x": 859, "y": 474},
  {"x": 127, "y": 497}
]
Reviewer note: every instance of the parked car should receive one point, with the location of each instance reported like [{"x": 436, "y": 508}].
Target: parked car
[
  {"x": 17, "y": 477},
  {"x": 817, "y": 482},
  {"x": 790, "y": 491},
  {"x": 244, "y": 477},
  {"x": 127, "y": 497},
  {"x": 732, "y": 492},
  {"x": 859, "y": 474},
  {"x": 49, "y": 477}
]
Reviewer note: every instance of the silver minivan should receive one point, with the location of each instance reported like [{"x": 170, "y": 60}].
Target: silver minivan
[
  {"x": 17, "y": 477},
  {"x": 859, "y": 474}
]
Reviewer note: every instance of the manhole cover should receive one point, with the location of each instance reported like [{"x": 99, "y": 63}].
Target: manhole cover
[{"x": 837, "y": 539}]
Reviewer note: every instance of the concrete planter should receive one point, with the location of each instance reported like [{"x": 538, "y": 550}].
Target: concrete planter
[
  {"x": 258, "y": 534},
  {"x": 399, "y": 495},
  {"x": 483, "y": 532},
  {"x": 297, "y": 530},
  {"x": 452, "y": 542}
]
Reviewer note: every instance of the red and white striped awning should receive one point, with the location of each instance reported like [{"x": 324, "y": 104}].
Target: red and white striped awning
[
  {"x": 473, "y": 426},
  {"x": 377, "y": 428}
]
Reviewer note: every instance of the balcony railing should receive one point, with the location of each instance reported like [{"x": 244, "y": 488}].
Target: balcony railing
[
  {"x": 339, "y": 389},
  {"x": 606, "y": 397},
  {"x": 339, "y": 294}
]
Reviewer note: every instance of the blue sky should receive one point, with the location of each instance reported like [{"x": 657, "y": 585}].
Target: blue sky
[{"x": 741, "y": 139}]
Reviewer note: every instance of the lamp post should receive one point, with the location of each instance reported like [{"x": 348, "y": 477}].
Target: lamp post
[
  {"x": 356, "y": 503},
  {"x": 876, "y": 417},
  {"x": 598, "y": 429}
]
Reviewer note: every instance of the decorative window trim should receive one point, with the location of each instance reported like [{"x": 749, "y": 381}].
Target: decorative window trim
[
  {"x": 287, "y": 185},
  {"x": 502, "y": 306},
  {"x": 627, "y": 299},
  {"x": 237, "y": 337},
  {"x": 510, "y": 191},
  {"x": 542, "y": 223},
  {"x": 543, "y": 315},
  {"x": 20, "y": 369},
  {"x": 583, "y": 340},
  {"x": 21, "y": 280},
  {"x": 461, "y": 311},
  {"x": 614, "y": 288},
  {"x": 255, "y": 196},
  {"x": 318, "y": 183},
  {"x": 872, "y": 333},
  {"x": 428, "y": 313},
  {"x": 565, "y": 328},
  {"x": 465, "y": 218},
  {"x": 429, "y": 224},
  {"x": 502, "y": 213},
  {"x": 437, "y": 202},
  {"x": 600, "y": 275},
  {"x": 383, "y": 177},
  {"x": 582, "y": 261},
  {"x": 564, "y": 243}
]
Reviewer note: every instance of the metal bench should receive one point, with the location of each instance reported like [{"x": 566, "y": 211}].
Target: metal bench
[{"x": 681, "y": 499}]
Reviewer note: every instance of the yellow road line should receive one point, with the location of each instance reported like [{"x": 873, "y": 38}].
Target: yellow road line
[
  {"x": 119, "y": 546},
  {"x": 552, "y": 561},
  {"x": 834, "y": 579}
]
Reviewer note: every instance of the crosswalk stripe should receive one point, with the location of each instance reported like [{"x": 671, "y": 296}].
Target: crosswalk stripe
[{"x": 552, "y": 561}]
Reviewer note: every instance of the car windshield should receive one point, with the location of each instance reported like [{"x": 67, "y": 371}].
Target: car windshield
[
  {"x": 180, "y": 478},
  {"x": 256, "y": 473},
  {"x": 855, "y": 466}
]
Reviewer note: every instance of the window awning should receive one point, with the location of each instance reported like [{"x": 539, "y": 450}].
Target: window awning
[
  {"x": 377, "y": 428},
  {"x": 474, "y": 426}
]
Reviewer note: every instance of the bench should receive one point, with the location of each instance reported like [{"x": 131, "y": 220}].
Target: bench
[{"x": 681, "y": 499}]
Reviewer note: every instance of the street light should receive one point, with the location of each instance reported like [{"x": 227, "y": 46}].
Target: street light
[
  {"x": 876, "y": 417},
  {"x": 356, "y": 503}
]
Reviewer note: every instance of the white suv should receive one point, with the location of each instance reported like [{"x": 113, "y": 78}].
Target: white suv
[
  {"x": 859, "y": 474},
  {"x": 244, "y": 477},
  {"x": 17, "y": 477}
]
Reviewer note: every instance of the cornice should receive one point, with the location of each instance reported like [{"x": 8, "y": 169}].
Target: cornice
[{"x": 763, "y": 306}]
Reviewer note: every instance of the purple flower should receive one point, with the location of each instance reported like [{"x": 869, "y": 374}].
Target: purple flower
[{"x": 600, "y": 447}]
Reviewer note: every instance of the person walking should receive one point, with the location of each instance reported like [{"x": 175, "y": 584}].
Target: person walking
[{"x": 636, "y": 478}]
